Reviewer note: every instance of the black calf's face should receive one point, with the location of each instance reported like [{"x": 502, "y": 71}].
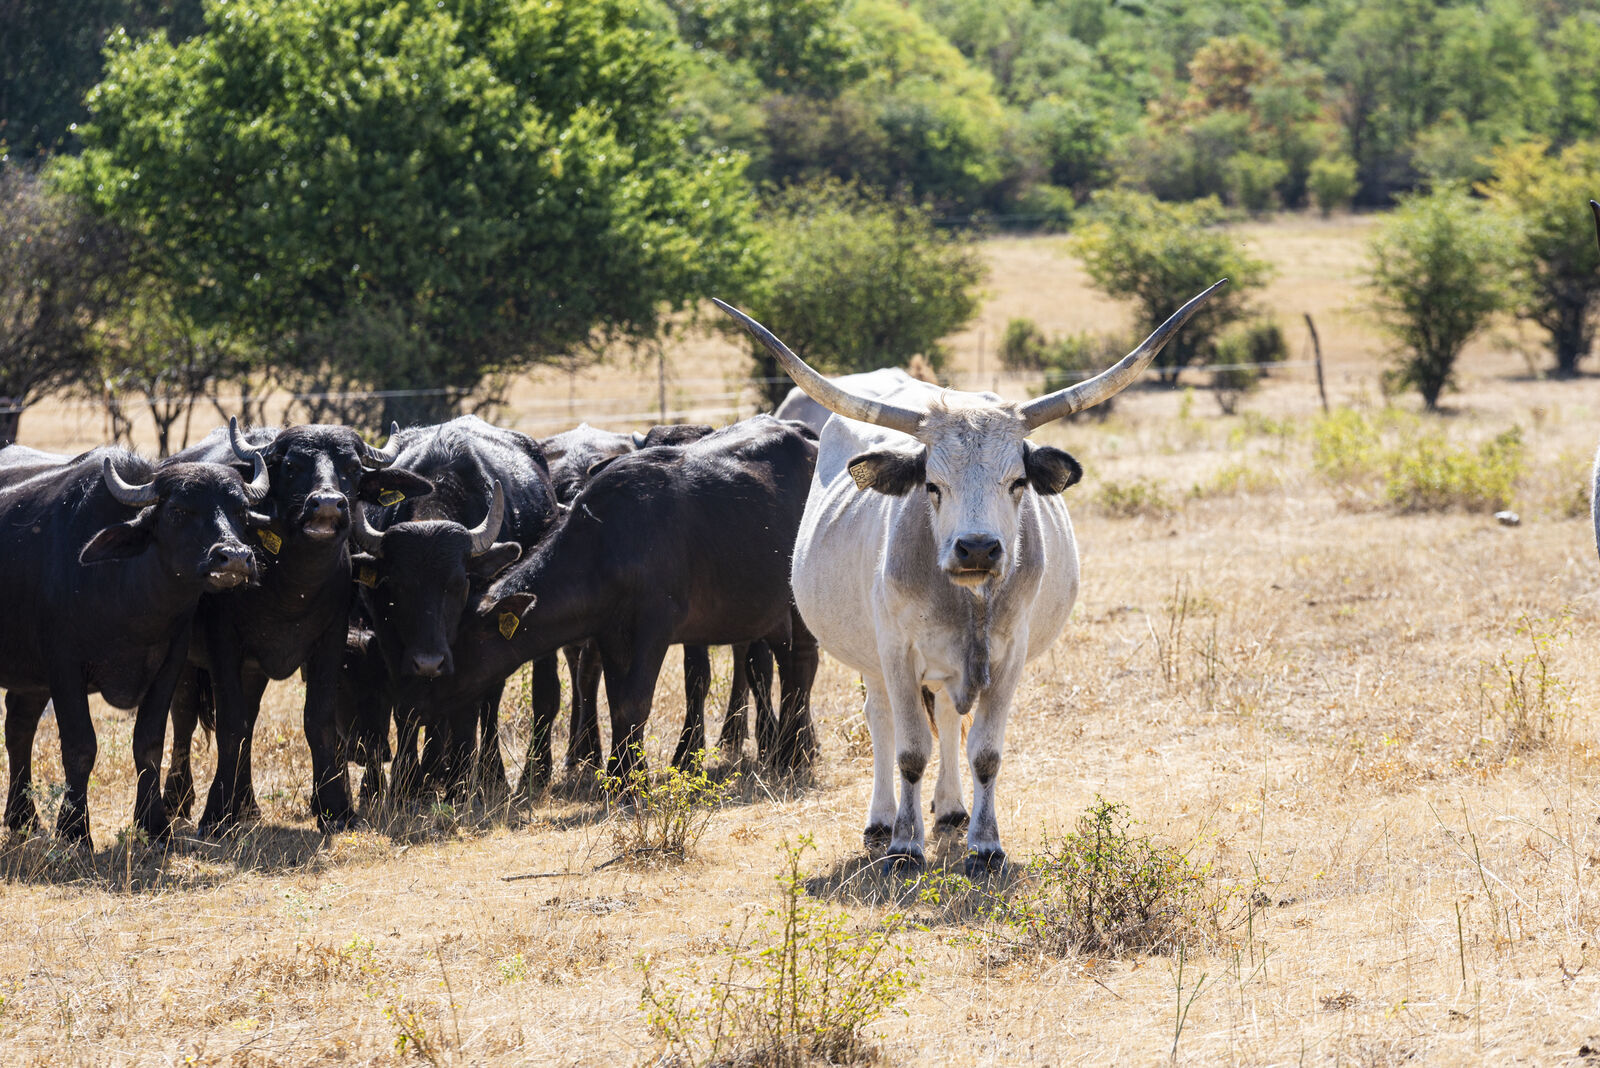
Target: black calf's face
[
  {"x": 422, "y": 584},
  {"x": 317, "y": 473},
  {"x": 200, "y": 527}
]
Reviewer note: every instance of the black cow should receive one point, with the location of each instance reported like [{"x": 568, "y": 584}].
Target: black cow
[
  {"x": 574, "y": 455},
  {"x": 103, "y": 560},
  {"x": 673, "y": 545},
  {"x": 433, "y": 557},
  {"x": 296, "y": 619}
]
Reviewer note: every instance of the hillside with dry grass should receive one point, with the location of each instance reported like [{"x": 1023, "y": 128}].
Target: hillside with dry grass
[{"x": 1310, "y": 777}]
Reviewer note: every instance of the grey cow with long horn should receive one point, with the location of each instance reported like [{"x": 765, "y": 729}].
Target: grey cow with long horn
[{"x": 936, "y": 558}]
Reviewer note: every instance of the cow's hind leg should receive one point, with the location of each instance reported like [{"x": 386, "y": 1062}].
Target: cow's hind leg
[
  {"x": 583, "y": 738},
  {"x": 546, "y": 705},
  {"x": 734, "y": 727},
  {"x": 696, "y": 681},
  {"x": 23, "y": 711},
  {"x": 949, "y": 814},
  {"x": 630, "y": 687},
  {"x": 193, "y": 692}
]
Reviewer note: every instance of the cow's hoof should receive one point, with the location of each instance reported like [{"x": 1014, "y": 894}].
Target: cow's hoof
[
  {"x": 950, "y": 822},
  {"x": 22, "y": 818},
  {"x": 178, "y": 796},
  {"x": 72, "y": 826},
  {"x": 904, "y": 862},
  {"x": 876, "y": 836},
  {"x": 985, "y": 862}
]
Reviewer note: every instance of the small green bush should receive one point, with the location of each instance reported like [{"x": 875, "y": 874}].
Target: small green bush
[
  {"x": 1102, "y": 888},
  {"x": 1253, "y": 180},
  {"x": 800, "y": 988},
  {"x": 1415, "y": 468},
  {"x": 1433, "y": 475},
  {"x": 1332, "y": 182},
  {"x": 1141, "y": 497},
  {"x": 665, "y": 817}
]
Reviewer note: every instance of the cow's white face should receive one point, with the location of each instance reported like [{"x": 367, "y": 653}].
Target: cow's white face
[{"x": 974, "y": 466}]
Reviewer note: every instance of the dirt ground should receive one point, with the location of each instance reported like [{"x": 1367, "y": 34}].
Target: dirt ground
[{"x": 1377, "y": 728}]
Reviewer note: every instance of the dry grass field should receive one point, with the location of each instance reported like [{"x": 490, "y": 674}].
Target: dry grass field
[{"x": 1373, "y": 732}]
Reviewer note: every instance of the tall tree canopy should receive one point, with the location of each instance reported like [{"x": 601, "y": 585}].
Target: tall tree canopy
[{"x": 489, "y": 181}]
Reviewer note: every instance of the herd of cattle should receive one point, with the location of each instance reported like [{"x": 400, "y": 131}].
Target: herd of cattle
[{"x": 916, "y": 535}]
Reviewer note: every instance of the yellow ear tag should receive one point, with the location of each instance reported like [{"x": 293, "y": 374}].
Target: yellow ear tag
[
  {"x": 509, "y": 622},
  {"x": 368, "y": 577},
  {"x": 271, "y": 542},
  {"x": 390, "y": 497},
  {"x": 862, "y": 475}
]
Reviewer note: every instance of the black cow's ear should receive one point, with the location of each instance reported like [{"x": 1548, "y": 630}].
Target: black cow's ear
[
  {"x": 895, "y": 472},
  {"x": 381, "y": 486},
  {"x": 120, "y": 541},
  {"x": 498, "y": 557},
  {"x": 599, "y": 466},
  {"x": 514, "y": 603},
  {"x": 1050, "y": 470}
]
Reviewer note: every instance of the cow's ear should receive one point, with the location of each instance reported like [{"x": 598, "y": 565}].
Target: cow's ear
[
  {"x": 515, "y": 603},
  {"x": 498, "y": 557},
  {"x": 599, "y": 466},
  {"x": 1050, "y": 470},
  {"x": 120, "y": 541},
  {"x": 381, "y": 487},
  {"x": 893, "y": 471}
]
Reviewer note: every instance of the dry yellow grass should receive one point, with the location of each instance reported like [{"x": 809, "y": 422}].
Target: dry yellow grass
[{"x": 1299, "y": 691}]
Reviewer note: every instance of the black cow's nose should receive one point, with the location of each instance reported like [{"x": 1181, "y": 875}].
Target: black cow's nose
[
  {"x": 228, "y": 566},
  {"x": 978, "y": 552},
  {"x": 327, "y": 504},
  {"x": 427, "y": 665}
]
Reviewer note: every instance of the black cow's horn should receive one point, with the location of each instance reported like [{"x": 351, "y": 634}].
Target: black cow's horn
[
  {"x": 484, "y": 533},
  {"x": 126, "y": 492},
  {"x": 367, "y": 539},
  {"x": 377, "y": 458},
  {"x": 255, "y": 490}
]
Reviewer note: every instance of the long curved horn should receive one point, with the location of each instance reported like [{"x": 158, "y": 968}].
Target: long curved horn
[
  {"x": 822, "y": 390},
  {"x": 1108, "y": 383},
  {"x": 379, "y": 458},
  {"x": 126, "y": 492},
  {"x": 256, "y": 489},
  {"x": 483, "y": 534},
  {"x": 1595, "y": 207},
  {"x": 367, "y": 538}
]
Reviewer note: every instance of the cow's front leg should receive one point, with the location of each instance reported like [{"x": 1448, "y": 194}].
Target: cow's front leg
[
  {"x": 949, "y": 814},
  {"x": 880, "y": 725},
  {"x": 149, "y": 732},
  {"x": 913, "y": 746},
  {"x": 23, "y": 711},
  {"x": 984, "y": 743},
  {"x": 330, "y": 779},
  {"x": 78, "y": 751}
]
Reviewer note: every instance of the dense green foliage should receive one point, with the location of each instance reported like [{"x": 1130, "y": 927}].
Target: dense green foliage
[
  {"x": 859, "y": 282},
  {"x": 1556, "y": 261},
  {"x": 1160, "y": 255},
  {"x": 474, "y": 182},
  {"x": 1437, "y": 275}
]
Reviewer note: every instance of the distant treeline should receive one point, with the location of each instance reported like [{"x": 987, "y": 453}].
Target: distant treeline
[{"x": 1025, "y": 107}]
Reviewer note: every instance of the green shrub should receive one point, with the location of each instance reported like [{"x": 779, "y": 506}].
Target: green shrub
[
  {"x": 1344, "y": 445},
  {"x": 1429, "y": 474},
  {"x": 1024, "y": 346},
  {"x": 1253, "y": 180},
  {"x": 1141, "y": 497},
  {"x": 1102, "y": 888},
  {"x": 800, "y": 988},
  {"x": 665, "y": 817},
  {"x": 1332, "y": 182}
]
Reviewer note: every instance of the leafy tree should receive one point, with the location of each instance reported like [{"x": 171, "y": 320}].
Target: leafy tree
[
  {"x": 1159, "y": 255},
  {"x": 860, "y": 281},
  {"x": 503, "y": 181},
  {"x": 1557, "y": 266},
  {"x": 1436, "y": 268},
  {"x": 60, "y": 270}
]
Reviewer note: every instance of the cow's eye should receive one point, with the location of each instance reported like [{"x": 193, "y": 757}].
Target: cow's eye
[
  {"x": 933, "y": 491},
  {"x": 1019, "y": 485}
]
